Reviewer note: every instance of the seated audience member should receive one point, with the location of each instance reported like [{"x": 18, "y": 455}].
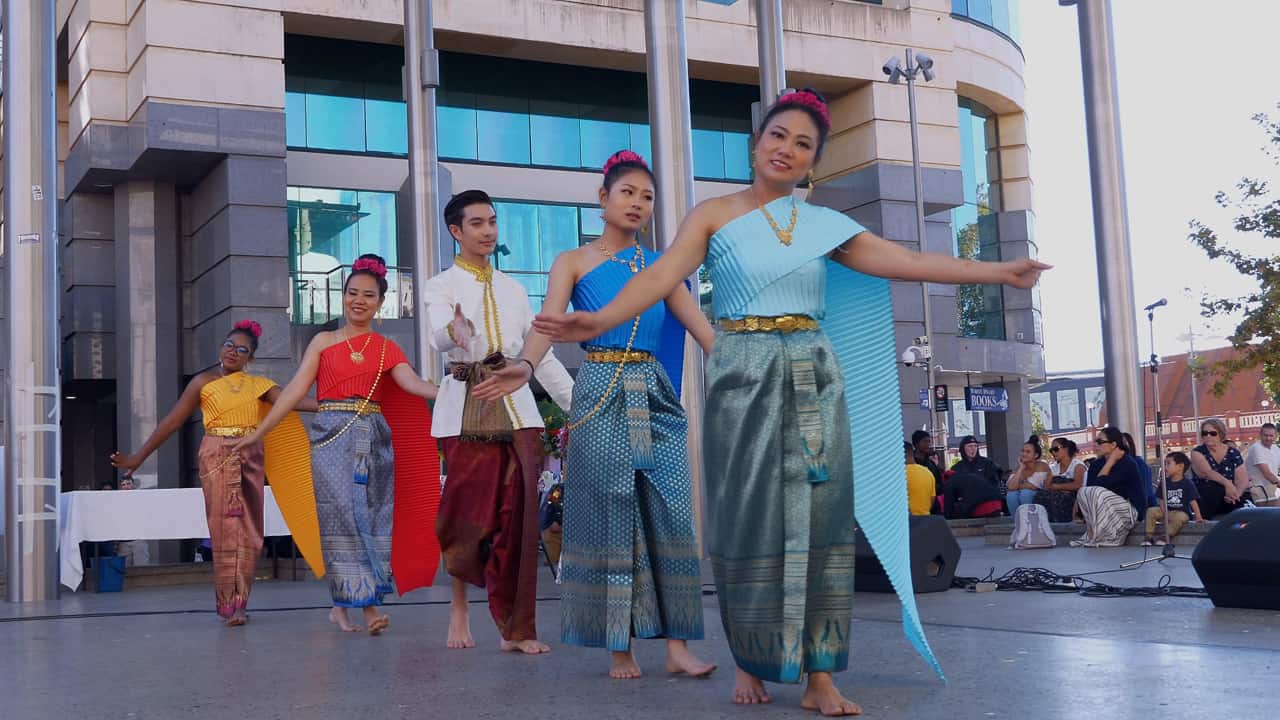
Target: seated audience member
[
  {"x": 1066, "y": 477},
  {"x": 922, "y": 443},
  {"x": 1030, "y": 476},
  {"x": 920, "y": 483},
  {"x": 970, "y": 496},
  {"x": 972, "y": 463},
  {"x": 1113, "y": 498},
  {"x": 1221, "y": 479},
  {"x": 1262, "y": 465},
  {"x": 1181, "y": 499}
]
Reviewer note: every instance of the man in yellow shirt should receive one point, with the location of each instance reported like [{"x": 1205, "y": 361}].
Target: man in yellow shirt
[{"x": 919, "y": 483}]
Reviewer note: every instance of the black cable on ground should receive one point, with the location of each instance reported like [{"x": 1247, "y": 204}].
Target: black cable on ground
[{"x": 1027, "y": 579}]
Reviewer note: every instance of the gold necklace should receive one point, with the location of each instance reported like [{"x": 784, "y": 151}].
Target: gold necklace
[
  {"x": 357, "y": 356},
  {"x": 784, "y": 236},
  {"x": 235, "y": 388},
  {"x": 492, "y": 323},
  {"x": 611, "y": 255}
]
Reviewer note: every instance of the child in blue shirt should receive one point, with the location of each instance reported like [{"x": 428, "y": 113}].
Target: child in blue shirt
[{"x": 1181, "y": 498}]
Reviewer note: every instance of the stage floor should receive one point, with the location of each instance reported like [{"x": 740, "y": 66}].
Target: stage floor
[{"x": 162, "y": 654}]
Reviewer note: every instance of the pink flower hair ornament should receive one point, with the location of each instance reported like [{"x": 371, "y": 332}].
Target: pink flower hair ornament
[
  {"x": 805, "y": 98},
  {"x": 369, "y": 265},
  {"x": 622, "y": 156},
  {"x": 249, "y": 326}
]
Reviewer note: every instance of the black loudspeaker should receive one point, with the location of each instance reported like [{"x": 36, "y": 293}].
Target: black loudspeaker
[
  {"x": 1239, "y": 562},
  {"x": 934, "y": 556}
]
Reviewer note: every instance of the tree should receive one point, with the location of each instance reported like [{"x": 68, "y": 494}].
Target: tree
[
  {"x": 1037, "y": 422},
  {"x": 1257, "y": 337}
]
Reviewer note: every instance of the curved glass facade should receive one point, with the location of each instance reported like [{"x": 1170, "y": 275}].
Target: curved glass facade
[
  {"x": 977, "y": 233},
  {"x": 345, "y": 96},
  {"x": 1003, "y": 16}
]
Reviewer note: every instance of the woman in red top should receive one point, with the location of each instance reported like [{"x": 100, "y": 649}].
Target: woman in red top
[{"x": 375, "y": 467}]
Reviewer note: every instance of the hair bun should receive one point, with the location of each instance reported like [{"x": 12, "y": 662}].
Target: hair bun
[
  {"x": 249, "y": 326},
  {"x": 623, "y": 156},
  {"x": 811, "y": 99},
  {"x": 370, "y": 264}
]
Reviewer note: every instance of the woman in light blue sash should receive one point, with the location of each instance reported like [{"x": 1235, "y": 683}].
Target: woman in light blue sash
[{"x": 780, "y": 414}]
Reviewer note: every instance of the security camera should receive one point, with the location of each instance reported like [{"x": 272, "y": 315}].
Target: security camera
[
  {"x": 924, "y": 61},
  {"x": 922, "y": 340},
  {"x": 908, "y": 357},
  {"x": 916, "y": 354},
  {"x": 893, "y": 68}
]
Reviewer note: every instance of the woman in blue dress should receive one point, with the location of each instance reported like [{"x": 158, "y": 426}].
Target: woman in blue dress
[{"x": 779, "y": 413}]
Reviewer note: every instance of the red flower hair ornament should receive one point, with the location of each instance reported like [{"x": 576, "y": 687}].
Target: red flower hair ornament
[
  {"x": 623, "y": 156},
  {"x": 369, "y": 265},
  {"x": 805, "y": 98},
  {"x": 249, "y": 326}
]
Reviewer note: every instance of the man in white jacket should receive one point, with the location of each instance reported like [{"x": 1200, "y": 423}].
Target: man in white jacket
[{"x": 488, "y": 519}]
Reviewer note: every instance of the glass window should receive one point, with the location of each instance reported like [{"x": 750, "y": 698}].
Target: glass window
[
  {"x": 980, "y": 10},
  {"x": 1068, "y": 409},
  {"x": 641, "y": 141},
  {"x": 387, "y": 126},
  {"x": 1042, "y": 406},
  {"x": 506, "y": 136},
  {"x": 557, "y": 232},
  {"x": 295, "y": 119},
  {"x": 960, "y": 7},
  {"x": 737, "y": 156},
  {"x": 591, "y": 222},
  {"x": 708, "y": 153},
  {"x": 456, "y": 133},
  {"x": 963, "y": 419},
  {"x": 977, "y": 237},
  {"x": 1094, "y": 398},
  {"x": 335, "y": 123},
  {"x": 602, "y": 138},
  {"x": 555, "y": 141}
]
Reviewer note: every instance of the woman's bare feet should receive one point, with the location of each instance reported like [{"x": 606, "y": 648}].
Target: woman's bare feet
[
  {"x": 338, "y": 616},
  {"x": 748, "y": 689},
  {"x": 238, "y": 618},
  {"x": 680, "y": 660},
  {"x": 528, "y": 647},
  {"x": 624, "y": 666},
  {"x": 375, "y": 621},
  {"x": 821, "y": 695}
]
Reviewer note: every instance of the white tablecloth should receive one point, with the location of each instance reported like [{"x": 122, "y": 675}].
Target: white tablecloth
[{"x": 99, "y": 516}]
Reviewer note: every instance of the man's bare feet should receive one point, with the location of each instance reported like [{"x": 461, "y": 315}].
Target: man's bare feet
[
  {"x": 528, "y": 647},
  {"x": 748, "y": 689},
  {"x": 821, "y": 695},
  {"x": 625, "y": 666},
  {"x": 680, "y": 660},
  {"x": 338, "y": 616}
]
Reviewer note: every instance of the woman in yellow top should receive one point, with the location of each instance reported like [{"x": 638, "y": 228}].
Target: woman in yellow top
[{"x": 232, "y": 402}]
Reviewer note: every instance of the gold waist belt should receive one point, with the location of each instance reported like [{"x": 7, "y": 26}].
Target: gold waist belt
[
  {"x": 355, "y": 406},
  {"x": 229, "y": 432},
  {"x": 780, "y": 324},
  {"x": 619, "y": 356}
]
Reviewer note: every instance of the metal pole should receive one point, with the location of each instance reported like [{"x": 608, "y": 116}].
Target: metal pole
[
  {"x": 671, "y": 133},
  {"x": 422, "y": 73},
  {"x": 1110, "y": 216},
  {"x": 918, "y": 179},
  {"x": 1195, "y": 370},
  {"x": 770, "y": 43},
  {"x": 33, "y": 388}
]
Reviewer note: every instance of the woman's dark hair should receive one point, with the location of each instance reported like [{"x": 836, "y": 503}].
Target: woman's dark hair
[
  {"x": 249, "y": 329},
  {"x": 919, "y": 435},
  {"x": 458, "y": 204},
  {"x": 373, "y": 266},
  {"x": 621, "y": 163},
  {"x": 1129, "y": 446},
  {"x": 1180, "y": 458},
  {"x": 906, "y": 447},
  {"x": 1034, "y": 443},
  {"x": 1070, "y": 446},
  {"x": 811, "y": 103},
  {"x": 1115, "y": 436}
]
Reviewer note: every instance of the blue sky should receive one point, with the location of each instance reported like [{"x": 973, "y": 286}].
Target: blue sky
[{"x": 1191, "y": 74}]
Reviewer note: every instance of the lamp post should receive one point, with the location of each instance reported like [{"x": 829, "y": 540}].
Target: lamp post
[{"x": 917, "y": 65}]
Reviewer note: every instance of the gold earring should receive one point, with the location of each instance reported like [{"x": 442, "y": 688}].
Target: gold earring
[
  {"x": 812, "y": 184},
  {"x": 645, "y": 230}
]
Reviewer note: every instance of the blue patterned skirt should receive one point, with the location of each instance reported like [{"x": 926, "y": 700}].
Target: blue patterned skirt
[
  {"x": 354, "y": 482},
  {"x": 630, "y": 563},
  {"x": 780, "y": 502}
]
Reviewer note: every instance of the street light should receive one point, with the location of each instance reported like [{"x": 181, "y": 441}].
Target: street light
[{"x": 918, "y": 64}]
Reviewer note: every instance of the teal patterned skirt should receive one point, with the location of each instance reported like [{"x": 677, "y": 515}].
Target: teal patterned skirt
[
  {"x": 780, "y": 502},
  {"x": 629, "y": 565}
]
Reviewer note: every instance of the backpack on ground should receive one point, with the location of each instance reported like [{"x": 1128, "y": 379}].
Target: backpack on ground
[{"x": 1031, "y": 528}]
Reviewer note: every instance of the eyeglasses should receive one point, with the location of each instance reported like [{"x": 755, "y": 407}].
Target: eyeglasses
[
  {"x": 1208, "y": 433},
  {"x": 1103, "y": 441},
  {"x": 1056, "y": 448},
  {"x": 240, "y": 349}
]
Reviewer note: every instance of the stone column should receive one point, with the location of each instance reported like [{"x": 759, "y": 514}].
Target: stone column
[{"x": 1008, "y": 430}]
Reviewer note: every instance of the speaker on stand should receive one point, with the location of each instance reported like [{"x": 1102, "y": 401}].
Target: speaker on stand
[
  {"x": 934, "y": 557},
  {"x": 1239, "y": 560}
]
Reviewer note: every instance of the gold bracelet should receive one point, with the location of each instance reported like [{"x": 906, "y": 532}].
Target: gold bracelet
[{"x": 452, "y": 338}]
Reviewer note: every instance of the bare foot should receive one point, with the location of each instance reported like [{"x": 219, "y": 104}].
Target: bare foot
[
  {"x": 624, "y": 667},
  {"x": 680, "y": 660},
  {"x": 821, "y": 695},
  {"x": 460, "y": 629},
  {"x": 375, "y": 621},
  {"x": 748, "y": 689},
  {"x": 238, "y": 618},
  {"x": 338, "y": 616},
  {"x": 528, "y": 647}
]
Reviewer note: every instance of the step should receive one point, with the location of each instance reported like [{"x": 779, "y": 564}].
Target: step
[
  {"x": 970, "y": 527},
  {"x": 997, "y": 533},
  {"x": 169, "y": 574}
]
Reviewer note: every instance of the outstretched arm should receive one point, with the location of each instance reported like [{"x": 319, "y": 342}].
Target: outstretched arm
[
  {"x": 655, "y": 283},
  {"x": 187, "y": 404},
  {"x": 293, "y": 393},
  {"x": 868, "y": 253},
  {"x": 304, "y": 405},
  {"x": 682, "y": 304},
  {"x": 409, "y": 381}
]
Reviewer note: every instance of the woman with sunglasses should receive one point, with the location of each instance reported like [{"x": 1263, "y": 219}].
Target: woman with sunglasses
[
  {"x": 1221, "y": 477},
  {"x": 231, "y": 403},
  {"x": 1066, "y": 476},
  {"x": 1113, "y": 499}
]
